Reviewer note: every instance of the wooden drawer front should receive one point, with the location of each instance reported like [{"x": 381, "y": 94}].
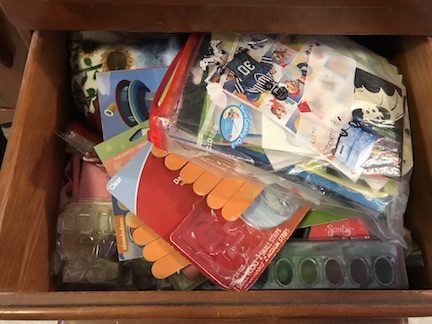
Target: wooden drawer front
[
  {"x": 253, "y": 305},
  {"x": 30, "y": 180},
  {"x": 310, "y": 16}
]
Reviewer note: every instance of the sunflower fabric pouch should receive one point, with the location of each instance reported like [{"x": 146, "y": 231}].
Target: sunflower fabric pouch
[{"x": 93, "y": 52}]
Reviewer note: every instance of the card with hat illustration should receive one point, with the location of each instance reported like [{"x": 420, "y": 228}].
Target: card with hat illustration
[{"x": 125, "y": 97}]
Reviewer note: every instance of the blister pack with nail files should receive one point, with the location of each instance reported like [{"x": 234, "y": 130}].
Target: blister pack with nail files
[{"x": 232, "y": 253}]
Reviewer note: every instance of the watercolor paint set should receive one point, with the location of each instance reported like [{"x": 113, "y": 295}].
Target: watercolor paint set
[{"x": 336, "y": 264}]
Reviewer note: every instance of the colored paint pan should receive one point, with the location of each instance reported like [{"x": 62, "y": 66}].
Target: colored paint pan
[
  {"x": 359, "y": 271},
  {"x": 333, "y": 272},
  {"x": 308, "y": 272},
  {"x": 284, "y": 272},
  {"x": 383, "y": 270}
]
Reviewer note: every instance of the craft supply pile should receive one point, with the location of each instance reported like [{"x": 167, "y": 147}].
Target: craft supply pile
[{"x": 235, "y": 162}]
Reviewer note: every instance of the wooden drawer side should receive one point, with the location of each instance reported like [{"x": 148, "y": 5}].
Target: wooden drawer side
[
  {"x": 32, "y": 168},
  {"x": 415, "y": 60}
]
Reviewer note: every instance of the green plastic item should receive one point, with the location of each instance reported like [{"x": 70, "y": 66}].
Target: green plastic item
[{"x": 317, "y": 217}]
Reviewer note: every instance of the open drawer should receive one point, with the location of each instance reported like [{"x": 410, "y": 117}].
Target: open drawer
[
  {"x": 378, "y": 17},
  {"x": 30, "y": 180}
]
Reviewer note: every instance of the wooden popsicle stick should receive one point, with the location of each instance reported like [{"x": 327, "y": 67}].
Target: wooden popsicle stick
[
  {"x": 133, "y": 221},
  {"x": 225, "y": 189},
  {"x": 144, "y": 235},
  {"x": 158, "y": 152},
  {"x": 240, "y": 201},
  {"x": 174, "y": 162},
  {"x": 190, "y": 173},
  {"x": 169, "y": 265},
  {"x": 205, "y": 183},
  {"x": 156, "y": 250}
]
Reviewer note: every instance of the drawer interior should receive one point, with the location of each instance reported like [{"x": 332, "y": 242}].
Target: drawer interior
[{"x": 32, "y": 171}]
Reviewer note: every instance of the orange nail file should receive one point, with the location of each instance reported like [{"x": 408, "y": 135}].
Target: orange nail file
[
  {"x": 144, "y": 235},
  {"x": 174, "y": 162},
  {"x": 158, "y": 152},
  {"x": 132, "y": 220},
  {"x": 157, "y": 250},
  {"x": 240, "y": 201},
  {"x": 169, "y": 265},
  {"x": 190, "y": 173},
  {"x": 206, "y": 183},
  {"x": 220, "y": 195}
]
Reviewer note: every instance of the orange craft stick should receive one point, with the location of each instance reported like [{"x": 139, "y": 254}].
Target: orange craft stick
[
  {"x": 174, "y": 162},
  {"x": 157, "y": 250},
  {"x": 158, "y": 152},
  {"x": 240, "y": 201},
  {"x": 190, "y": 173},
  {"x": 220, "y": 195},
  {"x": 144, "y": 235},
  {"x": 169, "y": 265},
  {"x": 205, "y": 183},
  {"x": 132, "y": 220}
]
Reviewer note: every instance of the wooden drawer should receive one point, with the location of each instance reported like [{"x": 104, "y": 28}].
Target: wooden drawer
[
  {"x": 406, "y": 17},
  {"x": 30, "y": 180}
]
